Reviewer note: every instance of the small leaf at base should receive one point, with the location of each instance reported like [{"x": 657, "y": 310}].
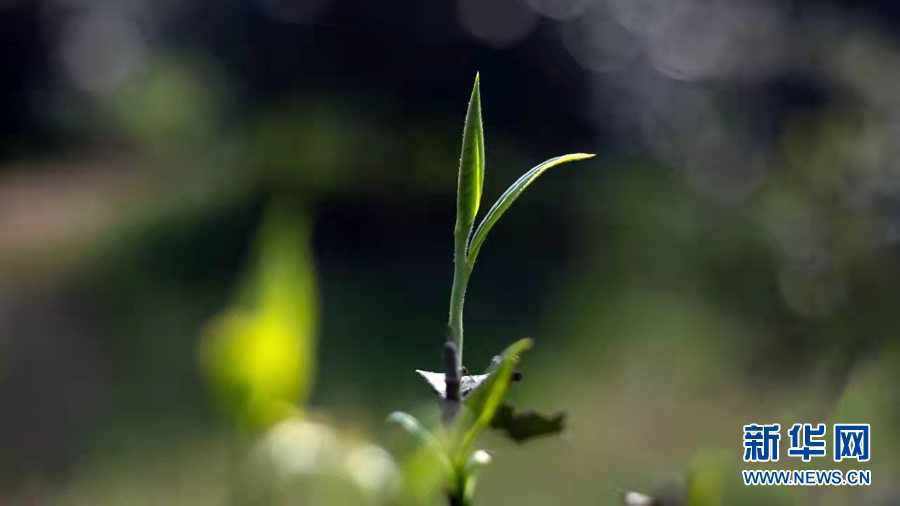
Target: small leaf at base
[{"x": 416, "y": 429}]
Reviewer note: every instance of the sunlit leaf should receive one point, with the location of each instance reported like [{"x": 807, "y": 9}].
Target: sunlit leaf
[
  {"x": 526, "y": 425},
  {"x": 471, "y": 166},
  {"x": 259, "y": 356},
  {"x": 485, "y": 400},
  {"x": 510, "y": 196}
]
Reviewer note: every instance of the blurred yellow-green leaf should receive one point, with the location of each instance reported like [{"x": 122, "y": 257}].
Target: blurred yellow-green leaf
[
  {"x": 259, "y": 356},
  {"x": 704, "y": 487}
]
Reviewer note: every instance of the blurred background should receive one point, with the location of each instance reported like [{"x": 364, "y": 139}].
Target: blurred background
[{"x": 213, "y": 210}]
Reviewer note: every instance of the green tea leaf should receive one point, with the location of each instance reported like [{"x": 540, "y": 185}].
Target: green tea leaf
[
  {"x": 417, "y": 430},
  {"x": 468, "y": 198},
  {"x": 525, "y": 425},
  {"x": 471, "y": 166},
  {"x": 485, "y": 400},
  {"x": 509, "y": 197},
  {"x": 424, "y": 474},
  {"x": 429, "y": 465}
]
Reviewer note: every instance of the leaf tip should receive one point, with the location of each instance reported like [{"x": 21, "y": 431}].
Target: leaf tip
[
  {"x": 638, "y": 499},
  {"x": 482, "y": 458},
  {"x": 476, "y": 89},
  {"x": 397, "y": 417}
]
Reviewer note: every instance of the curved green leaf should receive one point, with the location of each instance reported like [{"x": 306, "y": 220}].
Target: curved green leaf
[
  {"x": 412, "y": 425},
  {"x": 485, "y": 400},
  {"x": 428, "y": 466},
  {"x": 471, "y": 166},
  {"x": 509, "y": 197}
]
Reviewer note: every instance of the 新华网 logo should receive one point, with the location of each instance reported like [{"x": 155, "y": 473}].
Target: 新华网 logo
[
  {"x": 761, "y": 442},
  {"x": 851, "y": 441}
]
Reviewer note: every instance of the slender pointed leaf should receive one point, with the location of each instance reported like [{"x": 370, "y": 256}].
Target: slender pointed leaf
[
  {"x": 468, "y": 198},
  {"x": 471, "y": 166},
  {"x": 412, "y": 425},
  {"x": 487, "y": 397},
  {"x": 510, "y": 196}
]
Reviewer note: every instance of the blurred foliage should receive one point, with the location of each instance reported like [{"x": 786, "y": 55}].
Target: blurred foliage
[
  {"x": 174, "y": 103},
  {"x": 260, "y": 355}
]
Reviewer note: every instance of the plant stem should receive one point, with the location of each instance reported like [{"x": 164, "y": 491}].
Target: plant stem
[
  {"x": 458, "y": 292},
  {"x": 451, "y": 401},
  {"x": 457, "y": 496},
  {"x": 454, "y": 500}
]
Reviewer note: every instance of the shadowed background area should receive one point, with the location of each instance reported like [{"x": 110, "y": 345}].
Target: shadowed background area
[{"x": 210, "y": 206}]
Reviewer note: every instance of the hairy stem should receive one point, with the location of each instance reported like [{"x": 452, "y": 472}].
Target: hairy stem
[
  {"x": 451, "y": 402},
  {"x": 458, "y": 292}
]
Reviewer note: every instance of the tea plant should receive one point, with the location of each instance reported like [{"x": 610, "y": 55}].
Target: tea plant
[{"x": 470, "y": 405}]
